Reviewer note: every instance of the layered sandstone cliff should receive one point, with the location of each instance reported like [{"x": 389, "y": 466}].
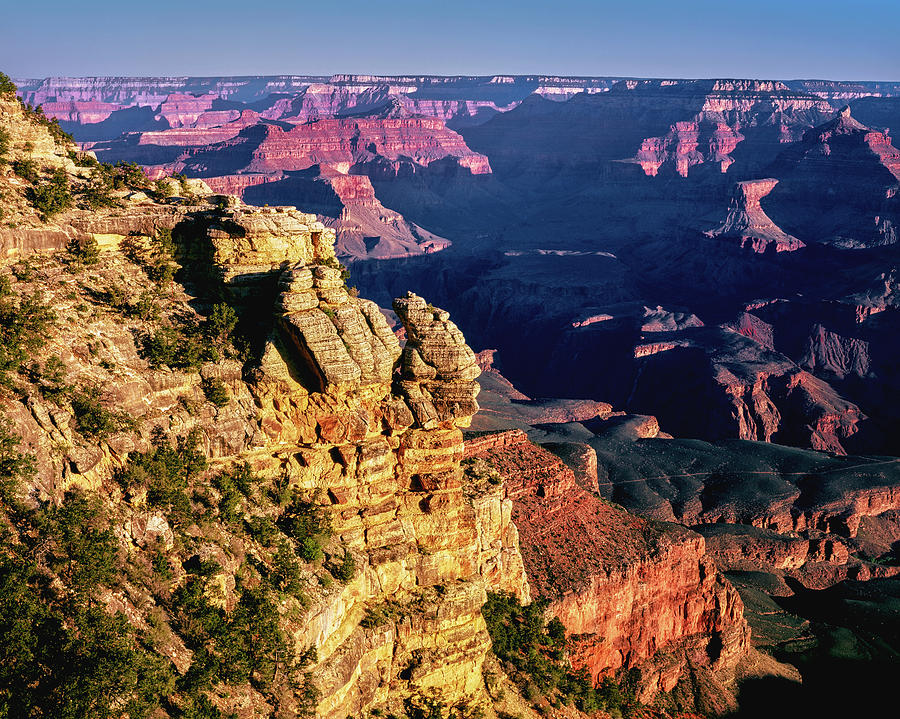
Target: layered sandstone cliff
[
  {"x": 317, "y": 411},
  {"x": 631, "y": 593},
  {"x": 748, "y": 223}
]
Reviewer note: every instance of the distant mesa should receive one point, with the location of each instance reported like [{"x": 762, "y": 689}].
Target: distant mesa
[
  {"x": 324, "y": 163},
  {"x": 856, "y": 168},
  {"x": 748, "y": 223}
]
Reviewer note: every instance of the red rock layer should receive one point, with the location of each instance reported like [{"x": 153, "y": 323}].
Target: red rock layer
[
  {"x": 236, "y": 184},
  {"x": 198, "y": 136},
  {"x": 748, "y": 223},
  {"x": 629, "y": 591},
  {"x": 82, "y": 112},
  {"x": 182, "y": 110},
  {"x": 341, "y": 143},
  {"x": 727, "y": 108},
  {"x": 355, "y": 190},
  {"x": 690, "y": 143}
]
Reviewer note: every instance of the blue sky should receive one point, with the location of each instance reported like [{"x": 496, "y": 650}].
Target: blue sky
[{"x": 850, "y": 39}]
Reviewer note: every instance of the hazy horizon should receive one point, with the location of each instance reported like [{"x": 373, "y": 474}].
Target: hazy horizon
[
  {"x": 152, "y": 76},
  {"x": 700, "y": 39}
]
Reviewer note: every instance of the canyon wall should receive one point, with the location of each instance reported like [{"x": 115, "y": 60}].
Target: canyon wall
[{"x": 631, "y": 593}]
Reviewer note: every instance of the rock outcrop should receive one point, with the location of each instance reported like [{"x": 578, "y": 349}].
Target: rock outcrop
[
  {"x": 748, "y": 390},
  {"x": 748, "y": 223},
  {"x": 438, "y": 368},
  {"x": 631, "y": 593},
  {"x": 841, "y": 159},
  {"x": 318, "y": 411}
]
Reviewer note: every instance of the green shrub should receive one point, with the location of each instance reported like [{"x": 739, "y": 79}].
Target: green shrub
[
  {"x": 23, "y": 326},
  {"x": 62, "y": 653},
  {"x": 4, "y": 145},
  {"x": 534, "y": 656},
  {"x": 25, "y": 270},
  {"x": 345, "y": 570},
  {"x": 15, "y": 467},
  {"x": 107, "y": 178},
  {"x": 161, "y": 271},
  {"x": 307, "y": 524},
  {"x": 83, "y": 250},
  {"x": 166, "y": 471},
  {"x": 27, "y": 169},
  {"x": 244, "y": 645},
  {"x": 145, "y": 308},
  {"x": 168, "y": 347},
  {"x": 82, "y": 159},
  {"x": 60, "y": 136},
  {"x": 232, "y": 485},
  {"x": 310, "y": 549},
  {"x": 84, "y": 549},
  {"x": 52, "y": 197},
  {"x": 7, "y": 87},
  {"x": 96, "y": 193},
  {"x": 162, "y": 188},
  {"x": 221, "y": 323},
  {"x": 160, "y": 562},
  {"x": 69, "y": 663},
  {"x": 477, "y": 469},
  {"x": 50, "y": 379},
  {"x": 116, "y": 297},
  {"x": 132, "y": 176},
  {"x": 262, "y": 529},
  {"x": 93, "y": 420},
  {"x": 286, "y": 575},
  {"x": 215, "y": 391},
  {"x": 423, "y": 708},
  {"x": 155, "y": 256}
]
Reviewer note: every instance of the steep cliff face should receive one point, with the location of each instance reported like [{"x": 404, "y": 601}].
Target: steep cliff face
[
  {"x": 688, "y": 144},
  {"x": 842, "y": 159},
  {"x": 657, "y": 126},
  {"x": 631, "y": 593},
  {"x": 749, "y": 390},
  {"x": 748, "y": 223},
  {"x": 79, "y": 112},
  {"x": 726, "y": 108},
  {"x": 319, "y": 412},
  {"x": 335, "y": 141},
  {"x": 459, "y": 100},
  {"x": 183, "y": 109},
  {"x": 370, "y": 458},
  {"x": 432, "y": 543}
]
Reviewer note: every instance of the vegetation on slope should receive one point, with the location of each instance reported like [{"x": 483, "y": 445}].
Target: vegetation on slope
[
  {"x": 189, "y": 620},
  {"x": 533, "y": 654},
  {"x": 54, "y": 188}
]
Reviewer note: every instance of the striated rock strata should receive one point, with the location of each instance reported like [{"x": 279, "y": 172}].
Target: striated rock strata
[
  {"x": 748, "y": 223},
  {"x": 630, "y": 592}
]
